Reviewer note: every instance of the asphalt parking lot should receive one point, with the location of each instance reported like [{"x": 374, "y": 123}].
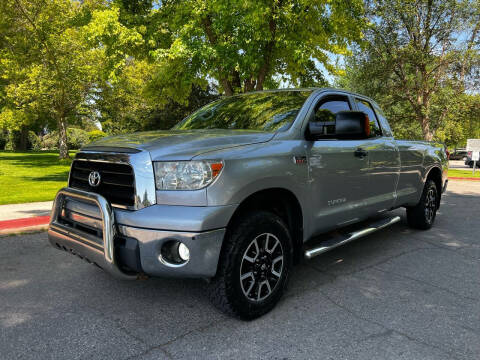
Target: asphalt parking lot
[{"x": 397, "y": 294}]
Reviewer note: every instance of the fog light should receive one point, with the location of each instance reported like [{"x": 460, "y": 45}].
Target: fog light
[{"x": 183, "y": 252}]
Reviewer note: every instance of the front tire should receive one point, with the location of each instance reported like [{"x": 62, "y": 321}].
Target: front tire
[
  {"x": 423, "y": 214},
  {"x": 254, "y": 266}
]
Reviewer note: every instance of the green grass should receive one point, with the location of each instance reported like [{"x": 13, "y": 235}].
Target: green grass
[
  {"x": 463, "y": 173},
  {"x": 31, "y": 176}
]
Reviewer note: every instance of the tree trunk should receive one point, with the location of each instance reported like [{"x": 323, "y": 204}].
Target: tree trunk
[
  {"x": 424, "y": 121},
  {"x": 265, "y": 69},
  {"x": 262, "y": 74},
  {"x": 249, "y": 85},
  {"x": 23, "y": 141},
  {"x": 212, "y": 37},
  {"x": 62, "y": 139},
  {"x": 227, "y": 87}
]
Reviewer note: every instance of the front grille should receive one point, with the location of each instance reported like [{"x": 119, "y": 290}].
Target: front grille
[{"x": 117, "y": 183}]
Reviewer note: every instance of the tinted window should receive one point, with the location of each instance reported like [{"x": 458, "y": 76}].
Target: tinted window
[
  {"x": 263, "y": 111},
  {"x": 365, "y": 107},
  {"x": 327, "y": 109},
  {"x": 335, "y": 106},
  {"x": 385, "y": 125}
]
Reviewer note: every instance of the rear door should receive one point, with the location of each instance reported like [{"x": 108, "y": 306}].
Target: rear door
[
  {"x": 384, "y": 161},
  {"x": 338, "y": 171}
]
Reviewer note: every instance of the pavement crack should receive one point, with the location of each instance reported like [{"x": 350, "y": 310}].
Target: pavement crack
[
  {"x": 385, "y": 333},
  {"x": 179, "y": 337},
  {"x": 116, "y": 323}
]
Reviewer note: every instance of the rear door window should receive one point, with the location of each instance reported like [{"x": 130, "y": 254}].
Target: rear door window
[
  {"x": 365, "y": 107},
  {"x": 387, "y": 131}
]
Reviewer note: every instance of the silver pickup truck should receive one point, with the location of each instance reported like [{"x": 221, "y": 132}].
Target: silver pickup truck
[{"x": 244, "y": 188}]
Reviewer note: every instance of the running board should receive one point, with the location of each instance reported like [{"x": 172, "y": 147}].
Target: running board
[{"x": 341, "y": 239}]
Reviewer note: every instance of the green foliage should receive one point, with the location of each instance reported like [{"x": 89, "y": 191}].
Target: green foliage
[
  {"x": 34, "y": 142},
  {"x": 244, "y": 44},
  {"x": 132, "y": 104},
  {"x": 95, "y": 135},
  {"x": 19, "y": 139},
  {"x": 77, "y": 138},
  {"x": 414, "y": 65},
  {"x": 13, "y": 139},
  {"x": 143, "y": 64},
  {"x": 58, "y": 51},
  {"x": 117, "y": 41},
  {"x": 50, "y": 141}
]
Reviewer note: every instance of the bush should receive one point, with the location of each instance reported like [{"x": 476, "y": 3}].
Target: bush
[
  {"x": 76, "y": 138},
  {"x": 50, "y": 141},
  {"x": 95, "y": 135},
  {"x": 13, "y": 140},
  {"x": 34, "y": 142}
]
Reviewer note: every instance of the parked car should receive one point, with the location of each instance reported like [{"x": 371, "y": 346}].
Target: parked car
[
  {"x": 458, "y": 154},
  {"x": 244, "y": 188},
  {"x": 470, "y": 162}
]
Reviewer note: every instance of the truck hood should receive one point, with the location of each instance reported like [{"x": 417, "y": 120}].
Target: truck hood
[{"x": 179, "y": 144}]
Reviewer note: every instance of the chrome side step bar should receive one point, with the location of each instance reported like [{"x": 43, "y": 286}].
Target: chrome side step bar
[{"x": 339, "y": 240}]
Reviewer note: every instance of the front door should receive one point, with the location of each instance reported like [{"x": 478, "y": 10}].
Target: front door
[
  {"x": 339, "y": 173},
  {"x": 384, "y": 161}
]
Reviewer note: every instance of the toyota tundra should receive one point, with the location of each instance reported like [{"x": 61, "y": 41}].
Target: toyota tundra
[{"x": 244, "y": 188}]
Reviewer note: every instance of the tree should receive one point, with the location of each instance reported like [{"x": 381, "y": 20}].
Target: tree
[
  {"x": 244, "y": 44},
  {"x": 49, "y": 63},
  {"x": 53, "y": 59},
  {"x": 131, "y": 103},
  {"x": 415, "y": 64}
]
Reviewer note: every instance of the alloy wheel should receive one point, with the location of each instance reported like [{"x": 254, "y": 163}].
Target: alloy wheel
[
  {"x": 262, "y": 266},
  {"x": 430, "y": 205}
]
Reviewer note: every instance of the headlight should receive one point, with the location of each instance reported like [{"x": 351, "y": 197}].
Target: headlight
[{"x": 185, "y": 175}]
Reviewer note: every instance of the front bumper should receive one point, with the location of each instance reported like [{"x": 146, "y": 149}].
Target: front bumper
[{"x": 85, "y": 225}]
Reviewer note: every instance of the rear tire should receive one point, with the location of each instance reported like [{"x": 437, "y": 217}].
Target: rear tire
[
  {"x": 254, "y": 266},
  {"x": 423, "y": 214}
]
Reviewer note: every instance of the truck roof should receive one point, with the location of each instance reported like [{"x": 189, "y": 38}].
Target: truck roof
[{"x": 312, "y": 90}]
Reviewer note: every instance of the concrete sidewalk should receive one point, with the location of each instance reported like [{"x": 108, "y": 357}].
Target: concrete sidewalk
[
  {"x": 20, "y": 211},
  {"x": 18, "y": 218}
]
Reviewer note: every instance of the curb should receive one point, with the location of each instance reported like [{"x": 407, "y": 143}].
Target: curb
[
  {"x": 463, "y": 178},
  {"x": 15, "y": 226},
  {"x": 23, "y": 230}
]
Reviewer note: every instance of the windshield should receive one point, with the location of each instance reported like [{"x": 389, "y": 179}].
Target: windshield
[{"x": 262, "y": 111}]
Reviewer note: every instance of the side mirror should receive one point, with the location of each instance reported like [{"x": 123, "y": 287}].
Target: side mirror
[{"x": 347, "y": 125}]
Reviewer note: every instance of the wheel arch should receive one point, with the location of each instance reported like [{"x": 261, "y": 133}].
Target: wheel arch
[
  {"x": 435, "y": 174},
  {"x": 283, "y": 203}
]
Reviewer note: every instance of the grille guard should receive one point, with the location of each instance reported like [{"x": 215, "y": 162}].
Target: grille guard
[{"x": 70, "y": 239}]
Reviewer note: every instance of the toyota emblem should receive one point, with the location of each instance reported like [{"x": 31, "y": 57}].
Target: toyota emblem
[{"x": 94, "y": 178}]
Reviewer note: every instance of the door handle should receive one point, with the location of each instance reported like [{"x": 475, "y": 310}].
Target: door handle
[{"x": 360, "y": 153}]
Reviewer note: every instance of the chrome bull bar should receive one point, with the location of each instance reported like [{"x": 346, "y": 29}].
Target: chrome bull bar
[{"x": 68, "y": 238}]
